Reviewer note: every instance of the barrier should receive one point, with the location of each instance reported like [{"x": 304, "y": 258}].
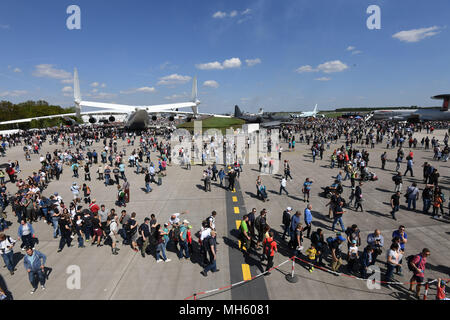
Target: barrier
[
  {"x": 425, "y": 294},
  {"x": 292, "y": 278},
  {"x": 357, "y": 278},
  {"x": 195, "y": 295}
]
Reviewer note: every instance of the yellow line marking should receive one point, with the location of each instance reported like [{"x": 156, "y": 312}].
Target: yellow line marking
[
  {"x": 234, "y": 190},
  {"x": 235, "y": 199},
  {"x": 238, "y": 224},
  {"x": 236, "y": 209},
  {"x": 246, "y": 272}
]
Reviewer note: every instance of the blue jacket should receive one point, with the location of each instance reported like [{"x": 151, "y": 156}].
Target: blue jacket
[
  {"x": 308, "y": 216},
  {"x": 20, "y": 231},
  {"x": 366, "y": 259},
  {"x": 37, "y": 261}
]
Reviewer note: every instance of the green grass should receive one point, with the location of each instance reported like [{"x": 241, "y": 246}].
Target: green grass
[{"x": 214, "y": 123}]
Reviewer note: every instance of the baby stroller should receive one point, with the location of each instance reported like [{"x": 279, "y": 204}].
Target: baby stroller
[{"x": 335, "y": 187}]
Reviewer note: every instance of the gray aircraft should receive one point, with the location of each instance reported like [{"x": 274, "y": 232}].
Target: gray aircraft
[
  {"x": 265, "y": 119},
  {"x": 415, "y": 115}
]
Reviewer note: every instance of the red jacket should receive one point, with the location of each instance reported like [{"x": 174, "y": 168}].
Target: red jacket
[{"x": 94, "y": 207}]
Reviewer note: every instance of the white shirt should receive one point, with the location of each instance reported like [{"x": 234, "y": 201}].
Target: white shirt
[
  {"x": 5, "y": 244},
  {"x": 176, "y": 220},
  {"x": 212, "y": 222},
  {"x": 205, "y": 233},
  {"x": 283, "y": 182}
]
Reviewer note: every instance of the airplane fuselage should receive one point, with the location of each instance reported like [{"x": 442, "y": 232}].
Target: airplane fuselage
[{"x": 412, "y": 115}]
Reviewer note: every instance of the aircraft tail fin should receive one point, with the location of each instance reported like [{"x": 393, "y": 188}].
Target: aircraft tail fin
[
  {"x": 195, "y": 96},
  {"x": 76, "y": 93},
  {"x": 445, "y": 104},
  {"x": 237, "y": 112},
  {"x": 446, "y": 98},
  {"x": 261, "y": 111},
  {"x": 315, "y": 109}
]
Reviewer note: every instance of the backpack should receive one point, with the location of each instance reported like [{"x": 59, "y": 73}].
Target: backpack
[
  {"x": 286, "y": 218},
  {"x": 409, "y": 259},
  {"x": 258, "y": 223},
  {"x": 329, "y": 241}
]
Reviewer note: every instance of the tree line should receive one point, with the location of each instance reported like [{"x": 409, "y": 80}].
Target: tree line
[{"x": 31, "y": 109}]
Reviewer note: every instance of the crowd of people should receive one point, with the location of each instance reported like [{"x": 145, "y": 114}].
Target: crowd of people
[{"x": 151, "y": 156}]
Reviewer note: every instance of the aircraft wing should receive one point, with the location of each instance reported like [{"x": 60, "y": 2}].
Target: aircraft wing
[
  {"x": 38, "y": 118},
  {"x": 270, "y": 124},
  {"x": 112, "y": 107}
]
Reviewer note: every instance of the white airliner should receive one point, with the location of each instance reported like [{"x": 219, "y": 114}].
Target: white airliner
[
  {"x": 137, "y": 117},
  {"x": 308, "y": 114}
]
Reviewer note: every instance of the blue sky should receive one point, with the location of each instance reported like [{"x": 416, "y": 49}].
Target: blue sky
[{"x": 278, "y": 55}]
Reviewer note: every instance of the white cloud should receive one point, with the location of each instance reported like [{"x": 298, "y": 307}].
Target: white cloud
[
  {"x": 306, "y": 68},
  {"x": 232, "y": 63},
  {"x": 351, "y": 48},
  {"x": 356, "y": 52},
  {"x": 47, "y": 71},
  {"x": 332, "y": 66},
  {"x": 17, "y": 70},
  {"x": 139, "y": 90},
  {"x": 95, "y": 84},
  {"x": 67, "y": 89},
  {"x": 95, "y": 90},
  {"x": 14, "y": 93},
  {"x": 219, "y": 15},
  {"x": 67, "y": 81},
  {"x": 210, "y": 66},
  {"x": 245, "y": 15},
  {"x": 252, "y": 62},
  {"x": 102, "y": 95},
  {"x": 323, "y": 79},
  {"x": 327, "y": 67},
  {"x": 103, "y": 85},
  {"x": 4, "y": 26},
  {"x": 176, "y": 96},
  {"x": 227, "y": 64},
  {"x": 415, "y": 35},
  {"x": 211, "y": 84},
  {"x": 173, "y": 79}
]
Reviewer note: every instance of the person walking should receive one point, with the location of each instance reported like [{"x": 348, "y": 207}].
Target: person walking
[
  {"x": 383, "y": 160},
  {"x": 144, "y": 231},
  {"x": 26, "y": 234},
  {"x": 306, "y": 189},
  {"x": 147, "y": 179},
  {"x": 244, "y": 235},
  {"x": 286, "y": 220},
  {"x": 393, "y": 258},
  {"x": 417, "y": 265},
  {"x": 365, "y": 261},
  {"x": 6, "y": 251},
  {"x": 412, "y": 195},
  {"x": 34, "y": 262},
  {"x": 358, "y": 197},
  {"x": 395, "y": 204},
  {"x": 398, "y": 182},
  {"x": 409, "y": 167},
  {"x": 338, "y": 212},
  {"x": 183, "y": 241},
  {"x": 283, "y": 183},
  {"x": 376, "y": 241},
  {"x": 65, "y": 229},
  {"x": 270, "y": 248},
  {"x": 160, "y": 235},
  {"x": 211, "y": 246},
  {"x": 308, "y": 220}
]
